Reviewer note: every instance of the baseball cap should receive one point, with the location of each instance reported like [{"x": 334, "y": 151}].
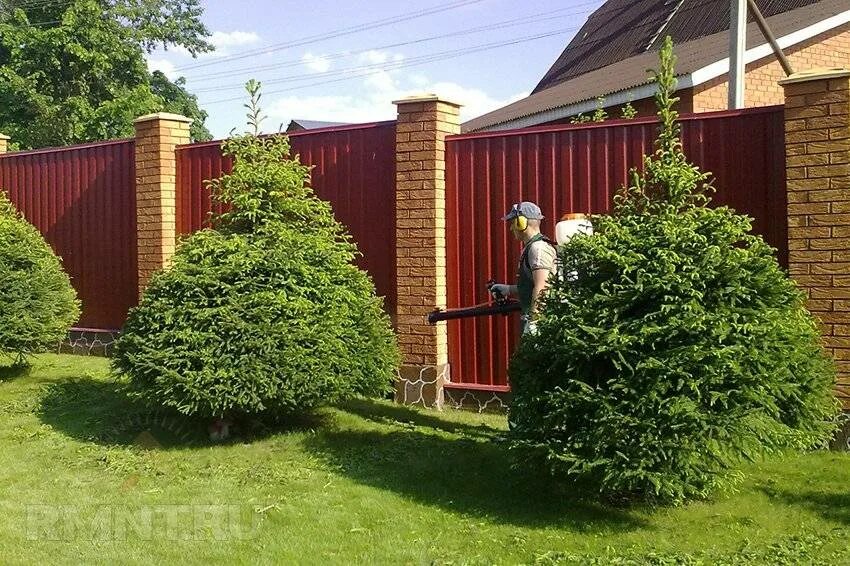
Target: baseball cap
[{"x": 527, "y": 209}]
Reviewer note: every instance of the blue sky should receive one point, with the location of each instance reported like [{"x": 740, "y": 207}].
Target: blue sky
[{"x": 343, "y": 61}]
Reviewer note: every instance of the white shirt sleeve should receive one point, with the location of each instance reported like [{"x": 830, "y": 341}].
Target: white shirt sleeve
[{"x": 541, "y": 256}]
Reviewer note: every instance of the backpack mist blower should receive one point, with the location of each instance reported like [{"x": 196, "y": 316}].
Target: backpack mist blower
[{"x": 500, "y": 305}]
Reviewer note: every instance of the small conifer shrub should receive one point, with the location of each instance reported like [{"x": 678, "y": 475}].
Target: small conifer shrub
[
  {"x": 265, "y": 311},
  {"x": 676, "y": 349},
  {"x": 38, "y": 305}
]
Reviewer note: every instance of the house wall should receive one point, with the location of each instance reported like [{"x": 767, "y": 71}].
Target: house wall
[
  {"x": 644, "y": 107},
  {"x": 828, "y": 50}
]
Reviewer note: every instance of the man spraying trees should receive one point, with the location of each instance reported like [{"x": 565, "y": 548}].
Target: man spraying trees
[{"x": 536, "y": 263}]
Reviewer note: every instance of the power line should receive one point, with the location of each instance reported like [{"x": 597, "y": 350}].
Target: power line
[
  {"x": 337, "y": 33},
  {"x": 455, "y": 53},
  {"x": 389, "y": 65},
  {"x": 532, "y": 18},
  {"x": 437, "y": 57}
]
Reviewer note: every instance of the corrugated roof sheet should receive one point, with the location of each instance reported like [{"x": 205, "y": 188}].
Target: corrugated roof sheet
[
  {"x": 313, "y": 124},
  {"x": 620, "y": 29},
  {"x": 631, "y": 72}
]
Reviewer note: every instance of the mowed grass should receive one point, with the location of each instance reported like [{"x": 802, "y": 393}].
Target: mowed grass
[{"x": 87, "y": 476}]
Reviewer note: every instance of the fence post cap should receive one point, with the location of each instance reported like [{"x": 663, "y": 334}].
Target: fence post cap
[
  {"x": 424, "y": 97},
  {"x": 163, "y": 116},
  {"x": 4, "y": 137},
  {"x": 815, "y": 75}
]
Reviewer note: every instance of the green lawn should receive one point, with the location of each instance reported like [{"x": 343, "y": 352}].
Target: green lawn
[{"x": 87, "y": 476}]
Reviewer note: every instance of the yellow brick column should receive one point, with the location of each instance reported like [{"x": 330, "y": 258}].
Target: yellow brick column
[
  {"x": 423, "y": 124},
  {"x": 817, "y": 138},
  {"x": 157, "y": 136},
  {"x": 4, "y": 143}
]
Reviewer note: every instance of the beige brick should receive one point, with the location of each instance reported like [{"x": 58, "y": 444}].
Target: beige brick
[
  {"x": 828, "y": 219},
  {"x": 819, "y": 305},
  {"x": 828, "y": 171},
  {"x": 807, "y": 136},
  {"x": 415, "y": 127},
  {"x": 835, "y": 317},
  {"x": 796, "y": 149},
  {"x": 832, "y": 243},
  {"x": 839, "y": 108},
  {"x": 833, "y": 268},
  {"x": 839, "y": 133},
  {"x": 809, "y": 232},
  {"x": 808, "y": 208},
  {"x": 840, "y": 84},
  {"x": 797, "y": 89},
  {"x": 804, "y": 160},
  {"x": 826, "y": 98},
  {"x": 795, "y": 101},
  {"x": 409, "y": 146},
  {"x": 797, "y": 197},
  {"x": 795, "y": 173},
  {"x": 820, "y": 256},
  {"x": 808, "y": 184},
  {"x": 826, "y": 122},
  {"x": 829, "y": 195},
  {"x": 828, "y": 147},
  {"x": 839, "y": 157},
  {"x": 808, "y": 111}
]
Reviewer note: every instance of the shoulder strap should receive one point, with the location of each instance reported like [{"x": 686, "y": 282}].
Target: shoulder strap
[{"x": 538, "y": 238}]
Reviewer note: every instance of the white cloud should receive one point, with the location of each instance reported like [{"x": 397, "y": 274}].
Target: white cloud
[
  {"x": 372, "y": 100},
  {"x": 161, "y": 59},
  {"x": 222, "y": 40},
  {"x": 475, "y": 101},
  {"x": 316, "y": 63},
  {"x": 373, "y": 57},
  {"x": 167, "y": 67}
]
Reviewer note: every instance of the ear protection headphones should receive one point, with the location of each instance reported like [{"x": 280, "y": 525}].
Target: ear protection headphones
[{"x": 520, "y": 221}]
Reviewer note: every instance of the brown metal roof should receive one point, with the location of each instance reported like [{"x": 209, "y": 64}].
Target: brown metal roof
[
  {"x": 620, "y": 29},
  {"x": 631, "y": 72}
]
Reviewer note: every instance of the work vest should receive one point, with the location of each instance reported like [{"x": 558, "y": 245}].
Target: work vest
[{"x": 525, "y": 275}]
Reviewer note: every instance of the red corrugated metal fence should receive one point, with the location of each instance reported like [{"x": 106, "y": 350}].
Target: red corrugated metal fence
[
  {"x": 354, "y": 169},
  {"x": 83, "y": 200},
  {"x": 578, "y": 169}
]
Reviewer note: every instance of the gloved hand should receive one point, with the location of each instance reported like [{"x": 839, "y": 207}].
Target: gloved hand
[{"x": 500, "y": 290}]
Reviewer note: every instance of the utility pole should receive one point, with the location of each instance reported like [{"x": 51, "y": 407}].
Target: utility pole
[{"x": 737, "y": 50}]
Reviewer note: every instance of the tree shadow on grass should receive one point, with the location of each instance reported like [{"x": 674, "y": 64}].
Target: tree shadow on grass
[
  {"x": 13, "y": 371},
  {"x": 466, "y": 476},
  {"x": 103, "y": 412},
  {"x": 834, "y": 507},
  {"x": 383, "y": 413}
]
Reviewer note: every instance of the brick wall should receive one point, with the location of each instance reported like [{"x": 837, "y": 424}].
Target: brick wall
[
  {"x": 421, "y": 130},
  {"x": 157, "y": 136},
  {"x": 817, "y": 138},
  {"x": 827, "y": 50}
]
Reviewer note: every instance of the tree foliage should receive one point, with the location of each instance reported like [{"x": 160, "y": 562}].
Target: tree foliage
[
  {"x": 264, "y": 312},
  {"x": 676, "y": 349},
  {"x": 37, "y": 303},
  {"x": 74, "y": 70}
]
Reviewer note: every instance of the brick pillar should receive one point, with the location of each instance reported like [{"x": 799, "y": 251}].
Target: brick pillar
[
  {"x": 423, "y": 124},
  {"x": 157, "y": 136},
  {"x": 817, "y": 142},
  {"x": 4, "y": 143}
]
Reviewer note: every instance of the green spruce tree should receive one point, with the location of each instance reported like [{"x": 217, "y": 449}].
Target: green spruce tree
[
  {"x": 264, "y": 312},
  {"x": 677, "y": 347},
  {"x": 37, "y": 303}
]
